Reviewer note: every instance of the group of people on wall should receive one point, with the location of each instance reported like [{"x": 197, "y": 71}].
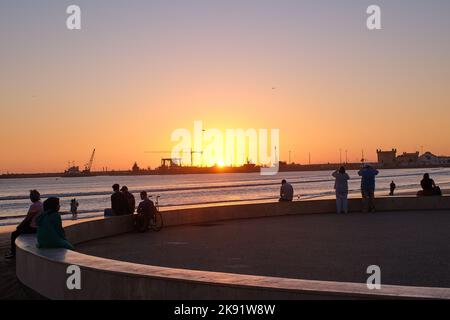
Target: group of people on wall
[
  {"x": 124, "y": 203},
  {"x": 44, "y": 219}
]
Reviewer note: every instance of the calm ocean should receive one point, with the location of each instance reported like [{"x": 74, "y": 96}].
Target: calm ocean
[{"x": 195, "y": 190}]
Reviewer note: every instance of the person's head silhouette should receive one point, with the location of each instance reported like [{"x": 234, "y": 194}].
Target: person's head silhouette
[{"x": 51, "y": 204}]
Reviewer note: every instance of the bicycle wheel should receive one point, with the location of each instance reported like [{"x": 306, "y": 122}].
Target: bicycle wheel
[{"x": 156, "y": 223}]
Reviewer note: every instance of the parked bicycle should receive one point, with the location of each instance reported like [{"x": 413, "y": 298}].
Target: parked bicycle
[{"x": 156, "y": 222}]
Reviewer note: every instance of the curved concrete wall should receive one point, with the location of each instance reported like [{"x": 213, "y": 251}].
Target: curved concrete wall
[
  {"x": 209, "y": 214},
  {"x": 44, "y": 270}
]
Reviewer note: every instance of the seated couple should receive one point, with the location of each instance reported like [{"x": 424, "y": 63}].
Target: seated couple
[{"x": 43, "y": 220}]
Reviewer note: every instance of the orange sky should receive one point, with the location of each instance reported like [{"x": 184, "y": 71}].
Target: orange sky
[{"x": 123, "y": 88}]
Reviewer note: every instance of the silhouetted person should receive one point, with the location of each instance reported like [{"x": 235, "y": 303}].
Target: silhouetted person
[
  {"x": 131, "y": 201},
  {"x": 74, "y": 208},
  {"x": 286, "y": 191},
  {"x": 429, "y": 187},
  {"x": 50, "y": 233},
  {"x": 392, "y": 187},
  {"x": 341, "y": 187},
  {"x": 145, "y": 211},
  {"x": 119, "y": 203},
  {"x": 29, "y": 224},
  {"x": 368, "y": 187}
]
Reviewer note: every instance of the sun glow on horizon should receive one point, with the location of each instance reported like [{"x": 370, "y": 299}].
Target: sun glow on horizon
[
  {"x": 333, "y": 89},
  {"x": 221, "y": 163}
]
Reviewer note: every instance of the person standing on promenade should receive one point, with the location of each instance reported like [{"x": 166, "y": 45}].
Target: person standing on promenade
[
  {"x": 367, "y": 175},
  {"x": 392, "y": 187},
  {"x": 286, "y": 192},
  {"x": 131, "y": 201},
  {"x": 29, "y": 224},
  {"x": 50, "y": 232},
  {"x": 341, "y": 187}
]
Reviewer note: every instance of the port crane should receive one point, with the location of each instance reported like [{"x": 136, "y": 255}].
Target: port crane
[
  {"x": 192, "y": 152},
  {"x": 88, "y": 166},
  {"x": 173, "y": 162},
  {"x": 74, "y": 171}
]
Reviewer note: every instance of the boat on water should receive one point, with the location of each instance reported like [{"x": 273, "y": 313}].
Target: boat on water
[{"x": 74, "y": 171}]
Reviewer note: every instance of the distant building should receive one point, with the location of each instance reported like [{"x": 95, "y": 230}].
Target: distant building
[
  {"x": 390, "y": 158},
  {"x": 408, "y": 158},
  {"x": 430, "y": 159},
  {"x": 135, "y": 167},
  {"x": 387, "y": 158}
]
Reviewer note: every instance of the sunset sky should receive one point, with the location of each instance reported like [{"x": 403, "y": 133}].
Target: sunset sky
[{"x": 137, "y": 70}]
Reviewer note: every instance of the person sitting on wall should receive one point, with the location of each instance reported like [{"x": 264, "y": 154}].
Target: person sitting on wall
[
  {"x": 130, "y": 200},
  {"x": 429, "y": 187},
  {"x": 119, "y": 203},
  {"x": 286, "y": 192},
  {"x": 29, "y": 224},
  {"x": 50, "y": 232},
  {"x": 145, "y": 211}
]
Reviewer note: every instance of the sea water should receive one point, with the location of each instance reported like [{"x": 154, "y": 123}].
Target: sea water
[{"x": 178, "y": 191}]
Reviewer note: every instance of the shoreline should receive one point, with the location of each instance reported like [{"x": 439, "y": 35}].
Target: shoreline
[
  {"x": 96, "y": 214},
  {"x": 213, "y": 170}
]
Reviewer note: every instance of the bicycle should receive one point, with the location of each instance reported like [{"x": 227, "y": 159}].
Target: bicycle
[{"x": 156, "y": 222}]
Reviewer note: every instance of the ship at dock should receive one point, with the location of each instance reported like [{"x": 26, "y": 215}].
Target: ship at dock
[
  {"x": 74, "y": 171},
  {"x": 246, "y": 168}
]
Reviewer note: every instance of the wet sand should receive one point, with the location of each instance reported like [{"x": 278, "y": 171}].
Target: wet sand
[{"x": 10, "y": 286}]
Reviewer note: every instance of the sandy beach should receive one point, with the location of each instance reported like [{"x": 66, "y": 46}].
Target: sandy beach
[{"x": 10, "y": 286}]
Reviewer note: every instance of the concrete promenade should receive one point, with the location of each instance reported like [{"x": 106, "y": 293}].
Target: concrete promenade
[
  {"x": 412, "y": 248},
  {"x": 296, "y": 250}
]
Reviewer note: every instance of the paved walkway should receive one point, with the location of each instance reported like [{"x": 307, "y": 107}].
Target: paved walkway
[{"x": 411, "y": 248}]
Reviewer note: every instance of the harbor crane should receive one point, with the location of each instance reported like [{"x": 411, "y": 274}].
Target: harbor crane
[
  {"x": 88, "y": 166},
  {"x": 74, "y": 171},
  {"x": 167, "y": 162},
  {"x": 192, "y": 152}
]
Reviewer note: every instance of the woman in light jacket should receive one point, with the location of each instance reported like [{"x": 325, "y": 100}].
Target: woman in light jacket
[{"x": 341, "y": 187}]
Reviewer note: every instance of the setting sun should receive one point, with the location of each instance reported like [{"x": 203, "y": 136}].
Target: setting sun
[{"x": 221, "y": 163}]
